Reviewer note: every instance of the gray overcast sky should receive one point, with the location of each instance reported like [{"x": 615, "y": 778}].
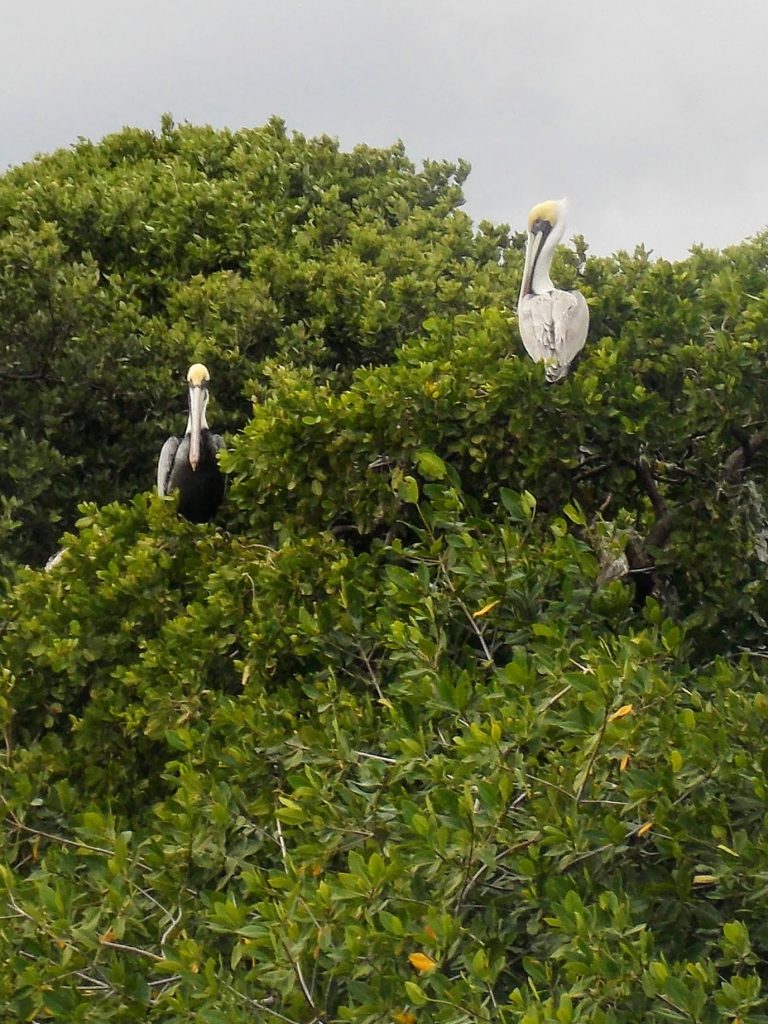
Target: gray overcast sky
[{"x": 651, "y": 116}]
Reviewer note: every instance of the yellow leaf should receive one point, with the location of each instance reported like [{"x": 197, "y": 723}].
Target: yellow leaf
[
  {"x": 727, "y": 849},
  {"x": 704, "y": 879},
  {"x": 485, "y": 609},
  {"x": 422, "y": 962},
  {"x": 108, "y": 936},
  {"x": 623, "y": 763},
  {"x": 625, "y": 709},
  {"x": 406, "y": 1017},
  {"x": 645, "y": 828}
]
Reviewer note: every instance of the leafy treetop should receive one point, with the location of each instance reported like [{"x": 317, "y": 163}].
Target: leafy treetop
[{"x": 459, "y": 713}]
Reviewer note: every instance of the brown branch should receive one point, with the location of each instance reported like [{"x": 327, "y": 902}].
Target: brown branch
[
  {"x": 662, "y": 528},
  {"x": 640, "y": 552},
  {"x": 588, "y": 473},
  {"x": 642, "y": 564},
  {"x": 739, "y": 459},
  {"x": 30, "y": 376}
]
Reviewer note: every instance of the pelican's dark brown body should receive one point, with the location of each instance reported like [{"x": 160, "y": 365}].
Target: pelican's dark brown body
[
  {"x": 188, "y": 464},
  {"x": 201, "y": 490}
]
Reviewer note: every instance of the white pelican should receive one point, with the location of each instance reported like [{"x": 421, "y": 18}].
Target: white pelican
[
  {"x": 189, "y": 464},
  {"x": 552, "y": 323}
]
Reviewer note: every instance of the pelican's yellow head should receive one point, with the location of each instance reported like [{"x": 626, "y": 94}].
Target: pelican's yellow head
[
  {"x": 546, "y": 224},
  {"x": 550, "y": 212},
  {"x": 198, "y": 375}
]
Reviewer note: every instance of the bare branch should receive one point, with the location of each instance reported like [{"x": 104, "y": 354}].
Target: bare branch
[
  {"x": 281, "y": 841},
  {"x": 131, "y": 949},
  {"x": 662, "y": 528},
  {"x": 375, "y": 757},
  {"x": 299, "y": 974},
  {"x": 369, "y": 668},
  {"x": 21, "y": 827},
  {"x": 475, "y": 628},
  {"x": 642, "y": 564},
  {"x": 174, "y": 921},
  {"x": 739, "y": 459}
]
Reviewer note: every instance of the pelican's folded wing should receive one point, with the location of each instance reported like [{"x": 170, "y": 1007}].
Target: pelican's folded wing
[
  {"x": 534, "y": 322},
  {"x": 570, "y": 318},
  {"x": 554, "y": 327},
  {"x": 218, "y": 442},
  {"x": 218, "y": 445},
  {"x": 165, "y": 465}
]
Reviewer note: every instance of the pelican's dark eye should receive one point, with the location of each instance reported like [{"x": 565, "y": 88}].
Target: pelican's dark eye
[{"x": 541, "y": 225}]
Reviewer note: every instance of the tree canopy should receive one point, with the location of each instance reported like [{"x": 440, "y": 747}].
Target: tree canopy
[{"x": 457, "y": 713}]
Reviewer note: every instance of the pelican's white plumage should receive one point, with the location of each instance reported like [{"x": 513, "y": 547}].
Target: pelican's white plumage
[{"x": 553, "y": 324}]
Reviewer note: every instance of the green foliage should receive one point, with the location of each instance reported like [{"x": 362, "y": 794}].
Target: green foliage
[
  {"x": 124, "y": 262},
  {"x": 407, "y": 741}
]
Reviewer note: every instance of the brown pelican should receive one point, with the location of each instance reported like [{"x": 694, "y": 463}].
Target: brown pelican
[
  {"x": 189, "y": 464},
  {"x": 553, "y": 324}
]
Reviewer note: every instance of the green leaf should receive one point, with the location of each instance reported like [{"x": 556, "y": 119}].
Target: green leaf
[
  {"x": 431, "y": 465},
  {"x": 574, "y": 514},
  {"x": 415, "y": 993},
  {"x": 408, "y": 490}
]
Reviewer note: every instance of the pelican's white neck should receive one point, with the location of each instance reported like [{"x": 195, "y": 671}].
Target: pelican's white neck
[
  {"x": 541, "y": 281},
  {"x": 546, "y": 226}
]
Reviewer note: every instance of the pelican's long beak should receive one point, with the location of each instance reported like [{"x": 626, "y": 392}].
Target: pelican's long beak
[
  {"x": 197, "y": 397},
  {"x": 535, "y": 239}
]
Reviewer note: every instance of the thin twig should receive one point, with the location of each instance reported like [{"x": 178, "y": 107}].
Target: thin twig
[
  {"x": 19, "y": 826},
  {"x": 595, "y": 747},
  {"x": 585, "y": 856},
  {"x": 375, "y": 757},
  {"x": 174, "y": 921},
  {"x": 46, "y": 931},
  {"x": 470, "y": 618},
  {"x": 152, "y": 899},
  {"x": 586, "y": 474},
  {"x": 281, "y": 841},
  {"x": 369, "y": 668},
  {"x": 94, "y": 983},
  {"x": 125, "y": 948},
  {"x": 470, "y": 857},
  {"x": 460, "y": 1006},
  {"x": 299, "y": 974},
  {"x": 553, "y": 700},
  {"x": 478, "y": 632},
  {"x": 257, "y": 1005},
  {"x": 472, "y": 883}
]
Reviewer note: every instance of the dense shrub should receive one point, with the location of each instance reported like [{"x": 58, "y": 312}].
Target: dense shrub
[
  {"x": 121, "y": 263},
  {"x": 458, "y": 714}
]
